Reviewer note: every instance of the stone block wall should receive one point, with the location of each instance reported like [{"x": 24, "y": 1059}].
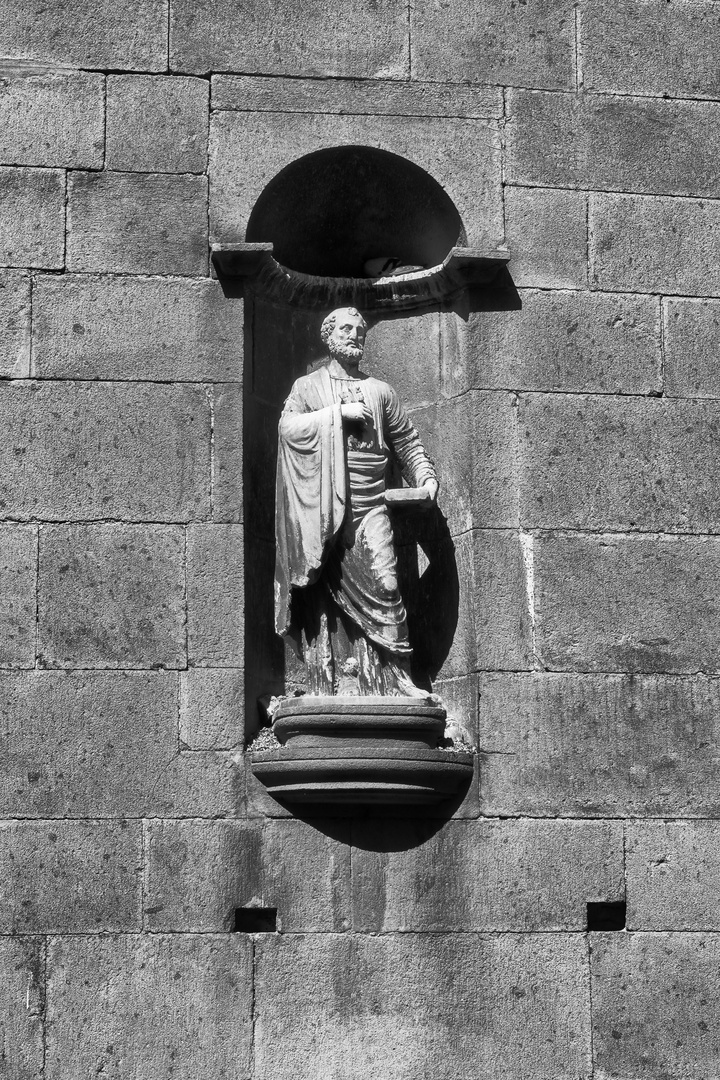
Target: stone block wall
[{"x": 576, "y": 439}]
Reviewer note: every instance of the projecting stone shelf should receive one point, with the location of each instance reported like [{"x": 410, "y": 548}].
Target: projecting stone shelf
[
  {"x": 463, "y": 268},
  {"x": 370, "y": 750}
]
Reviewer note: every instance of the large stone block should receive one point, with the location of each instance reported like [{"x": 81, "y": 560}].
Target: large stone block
[
  {"x": 52, "y": 119},
  {"x": 613, "y": 143},
  {"x": 137, "y": 223},
  {"x": 104, "y": 744},
  {"x": 672, "y": 48},
  {"x": 547, "y": 234},
  {"x": 200, "y": 872},
  {"x": 692, "y": 340},
  {"x": 627, "y": 603},
  {"x": 22, "y": 998},
  {"x": 361, "y": 38},
  {"x": 359, "y": 97},
  {"x": 18, "y": 595},
  {"x": 527, "y": 44},
  {"x": 212, "y": 708},
  {"x": 493, "y": 625},
  {"x": 496, "y": 875},
  {"x": 227, "y": 482},
  {"x": 171, "y": 330},
  {"x": 111, "y": 596},
  {"x": 655, "y": 1005},
  {"x": 88, "y": 451},
  {"x": 157, "y": 124},
  {"x": 406, "y": 353},
  {"x": 70, "y": 877},
  {"x": 400, "y": 1006},
  {"x": 472, "y": 440},
  {"x": 215, "y": 595},
  {"x": 155, "y": 1005},
  {"x": 599, "y": 745},
  {"x": 673, "y": 875},
  {"x": 86, "y": 33},
  {"x": 14, "y": 325},
  {"x": 619, "y": 463},
  {"x": 644, "y": 243},
  {"x": 577, "y": 341},
  {"x": 32, "y": 218},
  {"x": 462, "y": 155}
]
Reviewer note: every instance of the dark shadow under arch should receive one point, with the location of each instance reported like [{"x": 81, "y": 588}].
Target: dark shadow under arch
[{"x": 329, "y": 212}]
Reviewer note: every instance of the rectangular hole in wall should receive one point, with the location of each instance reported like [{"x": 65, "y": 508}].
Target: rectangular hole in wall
[
  {"x": 606, "y": 916},
  {"x": 255, "y": 920}
]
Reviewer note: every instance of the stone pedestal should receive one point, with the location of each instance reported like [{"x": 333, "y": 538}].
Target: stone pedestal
[{"x": 361, "y": 750}]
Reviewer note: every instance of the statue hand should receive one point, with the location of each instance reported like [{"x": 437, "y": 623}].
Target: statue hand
[
  {"x": 357, "y": 411},
  {"x": 431, "y": 486}
]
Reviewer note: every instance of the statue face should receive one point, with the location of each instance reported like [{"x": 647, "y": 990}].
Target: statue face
[{"x": 348, "y": 336}]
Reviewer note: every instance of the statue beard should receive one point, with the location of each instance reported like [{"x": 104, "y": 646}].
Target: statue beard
[{"x": 348, "y": 352}]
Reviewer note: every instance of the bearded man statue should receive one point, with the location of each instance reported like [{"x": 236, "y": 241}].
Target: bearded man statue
[{"x": 336, "y": 584}]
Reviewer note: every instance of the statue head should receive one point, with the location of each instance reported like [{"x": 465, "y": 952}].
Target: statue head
[{"x": 343, "y": 334}]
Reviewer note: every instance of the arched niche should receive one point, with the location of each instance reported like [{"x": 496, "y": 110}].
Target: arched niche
[
  {"x": 319, "y": 221},
  {"x": 329, "y": 212}
]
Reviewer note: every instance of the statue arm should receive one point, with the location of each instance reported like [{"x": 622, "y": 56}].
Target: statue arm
[{"x": 416, "y": 466}]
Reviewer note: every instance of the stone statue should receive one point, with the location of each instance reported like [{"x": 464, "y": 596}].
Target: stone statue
[{"x": 336, "y": 585}]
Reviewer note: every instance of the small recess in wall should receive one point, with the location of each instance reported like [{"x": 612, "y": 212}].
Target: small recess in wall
[
  {"x": 255, "y": 920},
  {"x": 606, "y": 916}
]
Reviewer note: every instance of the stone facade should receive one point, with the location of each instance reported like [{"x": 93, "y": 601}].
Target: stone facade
[{"x": 577, "y": 443}]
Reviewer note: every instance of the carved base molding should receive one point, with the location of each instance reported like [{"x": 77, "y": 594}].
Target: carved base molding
[{"x": 353, "y": 750}]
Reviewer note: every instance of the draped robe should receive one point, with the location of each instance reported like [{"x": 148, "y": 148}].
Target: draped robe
[{"x": 336, "y": 588}]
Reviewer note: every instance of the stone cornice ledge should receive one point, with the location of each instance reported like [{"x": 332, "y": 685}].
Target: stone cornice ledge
[{"x": 440, "y": 285}]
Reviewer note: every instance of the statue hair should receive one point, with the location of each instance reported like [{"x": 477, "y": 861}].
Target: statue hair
[{"x": 329, "y": 322}]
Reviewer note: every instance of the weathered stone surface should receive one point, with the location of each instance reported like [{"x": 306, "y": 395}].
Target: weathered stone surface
[
  {"x": 227, "y": 490},
  {"x": 518, "y": 44},
  {"x": 493, "y": 628},
  {"x": 14, "y": 325},
  {"x": 157, "y": 124},
  {"x": 388, "y": 97},
  {"x": 462, "y": 155},
  {"x": 135, "y": 328},
  {"x": 87, "y": 33},
  {"x": 357, "y": 38},
  {"x": 32, "y": 218},
  {"x": 104, "y": 744},
  {"x": 402, "y": 1006},
  {"x": 576, "y": 341},
  {"x": 692, "y": 340},
  {"x": 673, "y": 874},
  {"x": 155, "y": 1005},
  {"x": 613, "y": 143},
  {"x": 655, "y": 244},
  {"x": 496, "y": 875},
  {"x": 651, "y": 47},
  {"x": 111, "y": 596},
  {"x": 546, "y": 232},
  {"x": 406, "y": 353},
  {"x": 70, "y": 877},
  {"x": 111, "y": 450},
  {"x": 18, "y": 573},
  {"x": 599, "y": 745},
  {"x": 627, "y": 603},
  {"x": 619, "y": 463},
  {"x": 472, "y": 440},
  {"x": 212, "y": 708},
  {"x": 137, "y": 223},
  {"x": 215, "y": 595},
  {"x": 655, "y": 1005},
  {"x": 52, "y": 119},
  {"x": 22, "y": 1003},
  {"x": 199, "y": 872}
]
